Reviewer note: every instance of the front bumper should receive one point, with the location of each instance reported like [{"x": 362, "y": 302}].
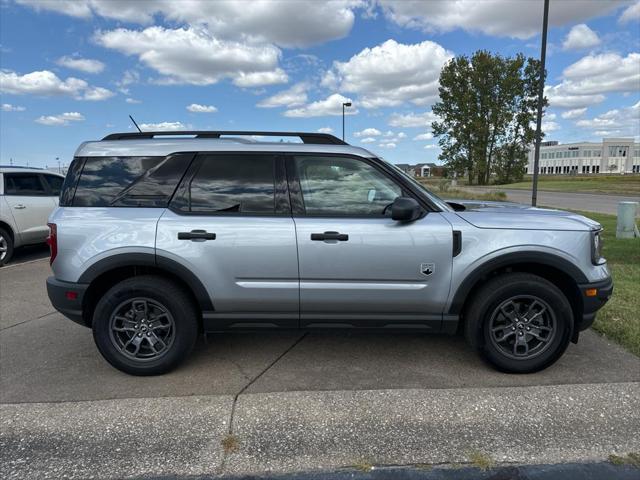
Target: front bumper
[
  {"x": 594, "y": 301},
  {"x": 66, "y": 297}
]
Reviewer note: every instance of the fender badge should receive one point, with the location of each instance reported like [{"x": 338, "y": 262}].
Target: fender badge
[{"x": 427, "y": 268}]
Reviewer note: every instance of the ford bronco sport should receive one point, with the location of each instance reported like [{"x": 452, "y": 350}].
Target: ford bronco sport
[{"x": 160, "y": 236}]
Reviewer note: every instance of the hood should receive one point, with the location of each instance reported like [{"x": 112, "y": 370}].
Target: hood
[{"x": 523, "y": 217}]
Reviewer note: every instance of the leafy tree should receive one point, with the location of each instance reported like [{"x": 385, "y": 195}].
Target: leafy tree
[{"x": 487, "y": 108}]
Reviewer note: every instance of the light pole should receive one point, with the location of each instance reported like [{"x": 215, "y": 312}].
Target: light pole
[
  {"x": 345, "y": 104},
  {"x": 536, "y": 152}
]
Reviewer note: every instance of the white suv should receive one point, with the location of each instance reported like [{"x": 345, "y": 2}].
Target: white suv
[{"x": 27, "y": 197}]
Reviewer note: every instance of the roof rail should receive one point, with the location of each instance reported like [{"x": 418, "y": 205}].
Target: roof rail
[{"x": 311, "y": 138}]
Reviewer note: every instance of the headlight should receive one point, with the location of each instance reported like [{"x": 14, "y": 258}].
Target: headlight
[{"x": 596, "y": 247}]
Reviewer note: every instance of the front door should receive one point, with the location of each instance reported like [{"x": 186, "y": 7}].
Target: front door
[
  {"x": 230, "y": 224},
  {"x": 358, "y": 267}
]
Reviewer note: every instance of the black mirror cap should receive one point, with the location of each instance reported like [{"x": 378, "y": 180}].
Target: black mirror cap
[
  {"x": 457, "y": 207},
  {"x": 405, "y": 209}
]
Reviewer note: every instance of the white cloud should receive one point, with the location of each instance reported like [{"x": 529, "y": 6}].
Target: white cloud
[
  {"x": 193, "y": 56},
  {"x": 197, "y": 108},
  {"x": 60, "y": 120},
  {"x": 332, "y": 105},
  {"x": 285, "y": 23},
  {"x": 129, "y": 77},
  {"x": 575, "y": 113},
  {"x": 96, "y": 94},
  {"x": 368, "y": 140},
  {"x": 259, "y": 79},
  {"x": 393, "y": 137},
  {"x": 631, "y": 13},
  {"x": 45, "y": 83},
  {"x": 409, "y": 120},
  {"x": 579, "y": 37},
  {"x": 391, "y": 73},
  {"x": 519, "y": 19},
  {"x": 325, "y": 130},
  {"x": 292, "y": 97},
  {"x": 86, "y": 65},
  {"x": 424, "y": 136},
  {"x": 431, "y": 146},
  {"x": 7, "y": 107},
  {"x": 616, "y": 122},
  {"x": 162, "y": 126},
  {"x": 548, "y": 127},
  {"x": 586, "y": 81},
  {"x": 133, "y": 101},
  {"x": 368, "y": 132},
  {"x": 387, "y": 145}
]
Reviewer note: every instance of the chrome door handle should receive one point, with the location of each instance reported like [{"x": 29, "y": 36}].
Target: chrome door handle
[{"x": 19, "y": 207}]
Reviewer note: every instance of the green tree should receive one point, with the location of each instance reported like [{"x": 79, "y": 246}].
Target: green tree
[{"x": 486, "y": 109}]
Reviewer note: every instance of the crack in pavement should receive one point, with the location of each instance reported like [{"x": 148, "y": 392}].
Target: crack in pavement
[
  {"x": 244, "y": 389},
  {"x": 29, "y": 320}
]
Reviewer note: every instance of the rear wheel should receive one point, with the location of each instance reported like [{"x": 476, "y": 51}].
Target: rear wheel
[
  {"x": 519, "y": 322},
  {"x": 6, "y": 247},
  {"x": 145, "y": 325}
]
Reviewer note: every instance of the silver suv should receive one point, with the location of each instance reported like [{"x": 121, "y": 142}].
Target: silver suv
[
  {"x": 27, "y": 198},
  {"x": 161, "y": 236}
]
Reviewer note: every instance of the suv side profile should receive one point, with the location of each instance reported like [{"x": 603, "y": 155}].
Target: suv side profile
[
  {"x": 160, "y": 238},
  {"x": 27, "y": 198}
]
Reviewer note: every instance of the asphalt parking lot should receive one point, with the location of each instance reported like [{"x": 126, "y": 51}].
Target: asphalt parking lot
[{"x": 294, "y": 401}]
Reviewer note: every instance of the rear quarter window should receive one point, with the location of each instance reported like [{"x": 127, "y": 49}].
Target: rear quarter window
[{"x": 128, "y": 181}]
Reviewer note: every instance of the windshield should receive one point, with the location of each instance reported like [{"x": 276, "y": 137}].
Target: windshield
[{"x": 432, "y": 196}]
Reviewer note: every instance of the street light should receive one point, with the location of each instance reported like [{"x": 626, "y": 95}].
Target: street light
[{"x": 345, "y": 104}]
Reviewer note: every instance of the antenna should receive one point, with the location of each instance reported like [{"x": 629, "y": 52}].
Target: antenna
[{"x": 134, "y": 122}]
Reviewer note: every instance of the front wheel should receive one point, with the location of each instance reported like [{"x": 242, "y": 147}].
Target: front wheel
[
  {"x": 6, "y": 247},
  {"x": 519, "y": 322},
  {"x": 145, "y": 325}
]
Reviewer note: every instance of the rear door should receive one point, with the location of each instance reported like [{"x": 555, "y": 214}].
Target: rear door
[
  {"x": 230, "y": 224},
  {"x": 30, "y": 203},
  {"x": 358, "y": 267}
]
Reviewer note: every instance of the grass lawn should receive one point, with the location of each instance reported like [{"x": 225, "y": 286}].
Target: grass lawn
[
  {"x": 617, "y": 184},
  {"x": 443, "y": 189},
  {"x": 619, "y": 319}
]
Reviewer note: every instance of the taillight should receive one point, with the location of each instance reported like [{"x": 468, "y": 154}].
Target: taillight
[{"x": 52, "y": 241}]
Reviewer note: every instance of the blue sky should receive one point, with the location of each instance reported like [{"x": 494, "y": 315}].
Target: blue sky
[{"x": 72, "y": 70}]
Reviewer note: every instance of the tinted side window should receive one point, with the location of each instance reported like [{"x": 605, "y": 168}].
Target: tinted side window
[
  {"x": 71, "y": 181},
  {"x": 106, "y": 181},
  {"x": 55, "y": 184},
  {"x": 344, "y": 186},
  {"x": 156, "y": 186},
  {"x": 25, "y": 184},
  {"x": 234, "y": 183}
]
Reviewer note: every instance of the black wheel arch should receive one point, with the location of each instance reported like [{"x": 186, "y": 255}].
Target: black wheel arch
[
  {"x": 559, "y": 271},
  {"x": 107, "y": 272}
]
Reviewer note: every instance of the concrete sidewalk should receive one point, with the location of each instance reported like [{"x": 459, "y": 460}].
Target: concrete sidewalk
[{"x": 307, "y": 431}]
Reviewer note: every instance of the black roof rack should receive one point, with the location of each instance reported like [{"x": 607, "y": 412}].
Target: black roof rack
[{"x": 311, "y": 138}]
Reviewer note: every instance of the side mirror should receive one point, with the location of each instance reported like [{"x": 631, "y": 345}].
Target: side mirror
[{"x": 405, "y": 209}]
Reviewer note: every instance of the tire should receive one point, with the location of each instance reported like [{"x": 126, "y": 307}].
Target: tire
[
  {"x": 515, "y": 309},
  {"x": 145, "y": 325},
  {"x": 6, "y": 247}
]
